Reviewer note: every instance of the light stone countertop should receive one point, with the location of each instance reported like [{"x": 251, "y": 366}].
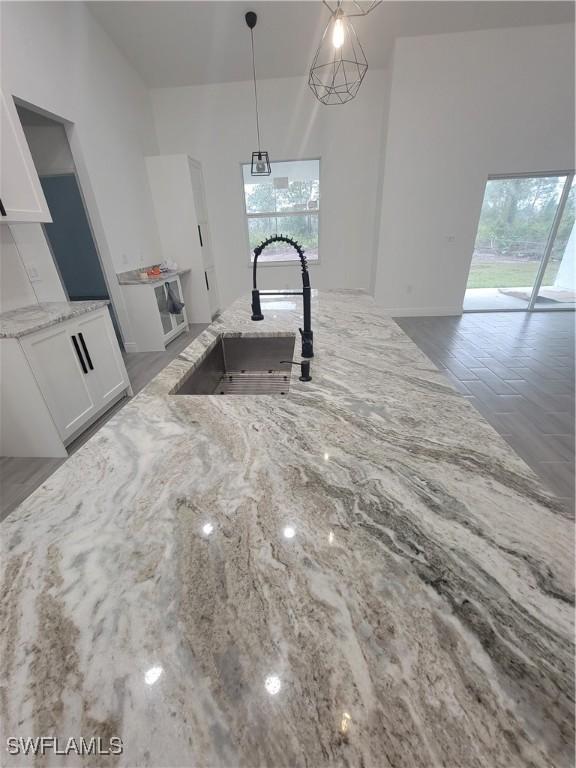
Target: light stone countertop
[
  {"x": 132, "y": 277},
  {"x": 25, "y": 320},
  {"x": 235, "y": 581}
]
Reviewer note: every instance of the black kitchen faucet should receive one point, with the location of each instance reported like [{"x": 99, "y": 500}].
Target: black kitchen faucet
[{"x": 306, "y": 332}]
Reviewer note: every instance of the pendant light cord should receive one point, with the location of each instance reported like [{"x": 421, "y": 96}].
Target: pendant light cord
[{"x": 255, "y": 89}]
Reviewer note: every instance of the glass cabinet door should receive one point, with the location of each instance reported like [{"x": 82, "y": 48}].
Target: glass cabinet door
[
  {"x": 160, "y": 293},
  {"x": 174, "y": 285}
]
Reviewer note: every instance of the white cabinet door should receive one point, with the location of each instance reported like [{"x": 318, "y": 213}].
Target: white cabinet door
[
  {"x": 212, "y": 287},
  {"x": 107, "y": 376},
  {"x": 201, "y": 213},
  {"x": 20, "y": 191},
  {"x": 61, "y": 375}
]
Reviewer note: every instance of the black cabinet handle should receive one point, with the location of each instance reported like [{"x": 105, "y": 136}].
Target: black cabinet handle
[
  {"x": 200, "y": 236},
  {"x": 206, "y": 278},
  {"x": 2, "y": 209},
  {"x": 77, "y": 348},
  {"x": 87, "y": 354}
]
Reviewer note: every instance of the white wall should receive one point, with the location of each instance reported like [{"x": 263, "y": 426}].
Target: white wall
[
  {"x": 15, "y": 287},
  {"x": 215, "y": 125},
  {"x": 37, "y": 259},
  {"x": 454, "y": 109},
  {"x": 464, "y": 106},
  {"x": 57, "y": 57}
]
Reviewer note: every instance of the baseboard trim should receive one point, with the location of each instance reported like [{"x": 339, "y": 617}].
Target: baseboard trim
[
  {"x": 130, "y": 347},
  {"x": 422, "y": 311}
]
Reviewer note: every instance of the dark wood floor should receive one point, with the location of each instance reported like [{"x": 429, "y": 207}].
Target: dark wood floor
[
  {"x": 20, "y": 477},
  {"x": 517, "y": 369}
]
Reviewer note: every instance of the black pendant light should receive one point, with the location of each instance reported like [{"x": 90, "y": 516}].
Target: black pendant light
[
  {"x": 260, "y": 159},
  {"x": 340, "y": 64}
]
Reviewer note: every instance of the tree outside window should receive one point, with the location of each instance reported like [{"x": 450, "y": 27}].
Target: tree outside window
[{"x": 287, "y": 202}]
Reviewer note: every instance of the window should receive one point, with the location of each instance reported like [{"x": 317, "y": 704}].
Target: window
[
  {"x": 287, "y": 202},
  {"x": 523, "y": 256},
  {"x": 558, "y": 285}
]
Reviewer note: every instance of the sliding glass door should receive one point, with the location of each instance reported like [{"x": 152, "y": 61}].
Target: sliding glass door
[
  {"x": 557, "y": 288},
  {"x": 524, "y": 253}
]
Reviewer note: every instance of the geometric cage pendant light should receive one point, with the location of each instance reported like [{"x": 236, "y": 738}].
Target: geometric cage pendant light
[
  {"x": 260, "y": 159},
  {"x": 340, "y": 64}
]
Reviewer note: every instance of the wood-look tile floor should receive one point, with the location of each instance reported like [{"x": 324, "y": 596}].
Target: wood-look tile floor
[
  {"x": 517, "y": 369},
  {"x": 20, "y": 477}
]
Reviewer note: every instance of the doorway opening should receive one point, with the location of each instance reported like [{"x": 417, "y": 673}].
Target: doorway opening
[
  {"x": 69, "y": 236},
  {"x": 525, "y": 250}
]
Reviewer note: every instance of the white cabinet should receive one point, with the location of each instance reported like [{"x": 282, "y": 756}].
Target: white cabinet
[
  {"x": 171, "y": 322},
  {"x": 204, "y": 235},
  {"x": 21, "y": 195},
  {"x": 107, "y": 376},
  {"x": 71, "y": 373},
  {"x": 153, "y": 325},
  {"x": 64, "y": 384},
  {"x": 177, "y": 187},
  {"x": 212, "y": 287}
]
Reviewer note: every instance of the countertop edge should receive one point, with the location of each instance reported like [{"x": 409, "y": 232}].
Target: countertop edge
[
  {"x": 151, "y": 280},
  {"x": 54, "y": 320}
]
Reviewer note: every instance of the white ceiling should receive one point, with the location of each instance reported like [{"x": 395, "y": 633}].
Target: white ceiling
[{"x": 190, "y": 43}]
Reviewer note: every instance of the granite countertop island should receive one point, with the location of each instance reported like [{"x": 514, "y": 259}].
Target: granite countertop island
[
  {"x": 359, "y": 573},
  {"x": 25, "y": 320}
]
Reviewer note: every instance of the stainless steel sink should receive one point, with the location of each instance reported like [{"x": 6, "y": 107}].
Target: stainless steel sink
[{"x": 242, "y": 365}]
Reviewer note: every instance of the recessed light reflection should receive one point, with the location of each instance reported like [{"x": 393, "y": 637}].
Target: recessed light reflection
[
  {"x": 345, "y": 723},
  {"x": 331, "y": 537},
  {"x": 326, "y": 456},
  {"x": 272, "y": 684},
  {"x": 207, "y": 529},
  {"x": 152, "y": 675},
  {"x": 289, "y": 532}
]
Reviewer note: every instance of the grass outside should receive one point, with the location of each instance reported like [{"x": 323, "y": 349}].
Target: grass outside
[{"x": 508, "y": 274}]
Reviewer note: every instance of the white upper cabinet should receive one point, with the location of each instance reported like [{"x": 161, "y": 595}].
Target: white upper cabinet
[{"x": 20, "y": 191}]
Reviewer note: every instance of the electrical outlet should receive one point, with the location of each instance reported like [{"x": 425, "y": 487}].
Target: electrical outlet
[{"x": 33, "y": 274}]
